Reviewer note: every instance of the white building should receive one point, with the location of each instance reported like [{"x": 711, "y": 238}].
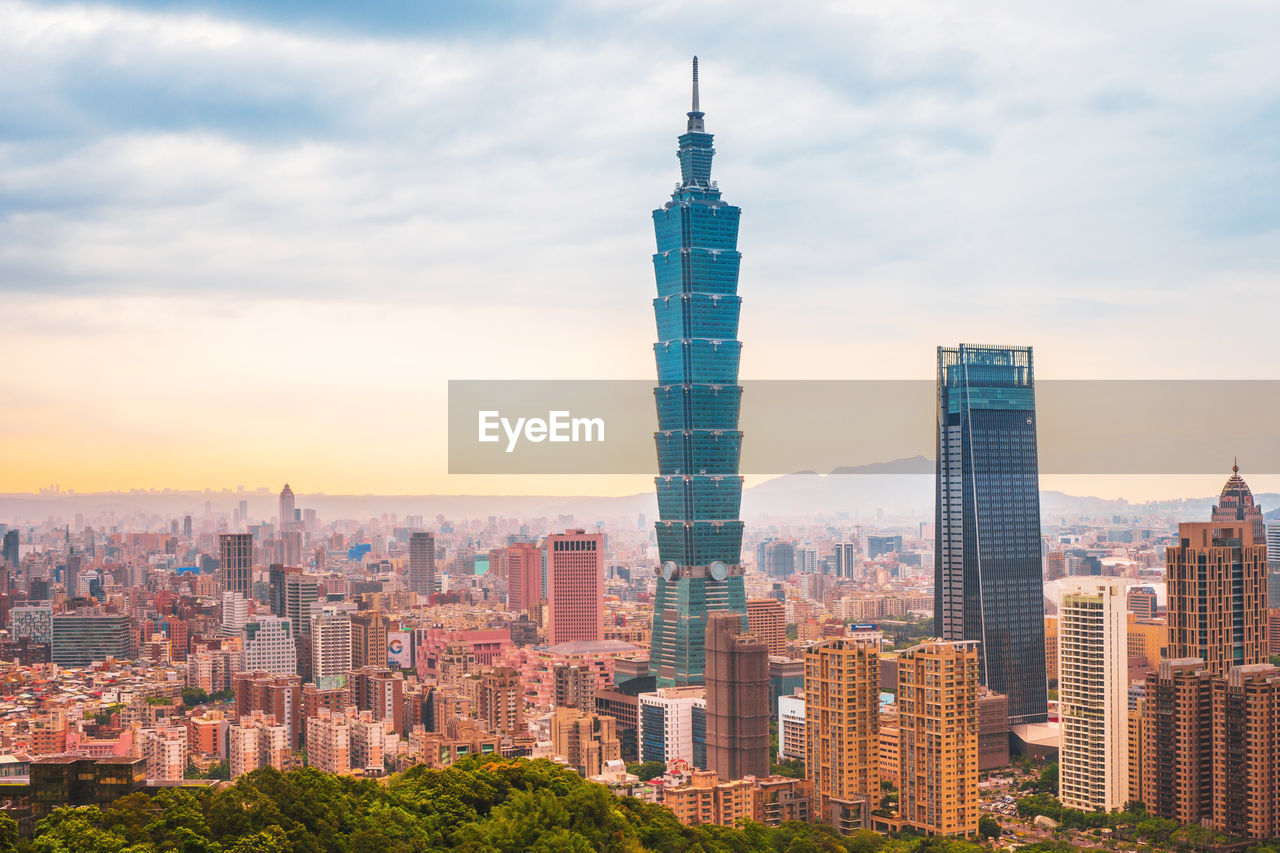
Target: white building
[
  {"x": 165, "y": 749},
  {"x": 1093, "y": 694},
  {"x": 667, "y": 720},
  {"x": 330, "y": 644},
  {"x": 256, "y": 741},
  {"x": 791, "y": 732},
  {"x": 235, "y": 613},
  {"x": 269, "y": 646}
]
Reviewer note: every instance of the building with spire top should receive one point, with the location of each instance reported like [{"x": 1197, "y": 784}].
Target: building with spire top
[{"x": 698, "y": 441}]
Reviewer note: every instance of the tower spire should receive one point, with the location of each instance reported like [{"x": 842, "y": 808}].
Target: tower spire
[{"x": 695, "y": 115}]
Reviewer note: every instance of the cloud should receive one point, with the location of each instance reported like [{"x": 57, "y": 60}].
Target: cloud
[{"x": 1083, "y": 177}]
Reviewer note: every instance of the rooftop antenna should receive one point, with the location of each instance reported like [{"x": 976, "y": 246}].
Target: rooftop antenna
[{"x": 695, "y": 115}]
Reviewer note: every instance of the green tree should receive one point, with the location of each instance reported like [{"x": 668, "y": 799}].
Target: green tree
[
  {"x": 8, "y": 834},
  {"x": 647, "y": 770},
  {"x": 988, "y": 826}
]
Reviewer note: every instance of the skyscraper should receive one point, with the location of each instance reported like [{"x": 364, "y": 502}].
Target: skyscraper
[
  {"x": 422, "y": 563},
  {"x": 286, "y": 510},
  {"x": 524, "y": 575},
  {"x": 698, "y": 396},
  {"x": 11, "y": 548},
  {"x": 987, "y": 570},
  {"x": 235, "y": 559},
  {"x": 842, "y": 731},
  {"x": 938, "y": 737},
  {"x": 575, "y": 587},
  {"x": 737, "y": 699},
  {"x": 330, "y": 646},
  {"x": 1093, "y": 688}
]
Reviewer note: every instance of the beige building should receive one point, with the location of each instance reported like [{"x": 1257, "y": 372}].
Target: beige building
[
  {"x": 500, "y": 700},
  {"x": 585, "y": 740},
  {"x": 1093, "y": 682},
  {"x": 165, "y": 749},
  {"x": 938, "y": 719},
  {"x": 257, "y": 741},
  {"x": 842, "y": 731},
  {"x": 329, "y": 742}
]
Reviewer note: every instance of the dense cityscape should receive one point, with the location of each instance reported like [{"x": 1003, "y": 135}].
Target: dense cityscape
[{"x": 263, "y": 669}]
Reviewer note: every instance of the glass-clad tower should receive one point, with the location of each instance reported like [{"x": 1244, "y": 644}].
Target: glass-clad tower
[
  {"x": 698, "y": 440},
  {"x": 988, "y": 584}
]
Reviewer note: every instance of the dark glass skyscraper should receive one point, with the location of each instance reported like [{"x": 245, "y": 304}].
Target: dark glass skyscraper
[
  {"x": 698, "y": 440},
  {"x": 988, "y": 585}
]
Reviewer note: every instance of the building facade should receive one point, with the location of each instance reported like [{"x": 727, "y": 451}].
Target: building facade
[
  {"x": 698, "y": 441},
  {"x": 767, "y": 619},
  {"x": 270, "y": 646},
  {"x": 842, "y": 731},
  {"x": 988, "y": 584},
  {"x": 737, "y": 681},
  {"x": 422, "y": 563},
  {"x": 235, "y": 563},
  {"x": 575, "y": 587}
]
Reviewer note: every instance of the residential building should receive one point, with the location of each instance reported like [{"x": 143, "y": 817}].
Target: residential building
[
  {"x": 524, "y": 576},
  {"x": 270, "y": 645},
  {"x": 1177, "y": 741},
  {"x": 767, "y": 619},
  {"x": 256, "y": 741},
  {"x": 1093, "y": 682},
  {"x": 380, "y": 692},
  {"x": 329, "y": 741},
  {"x": 279, "y": 696},
  {"x": 369, "y": 638},
  {"x": 938, "y": 720},
  {"x": 165, "y": 749},
  {"x": 422, "y": 563},
  {"x": 585, "y": 740},
  {"x": 842, "y": 737},
  {"x": 235, "y": 563},
  {"x": 330, "y": 645},
  {"x": 791, "y": 728},
  {"x": 1246, "y": 752},
  {"x": 500, "y": 700}
]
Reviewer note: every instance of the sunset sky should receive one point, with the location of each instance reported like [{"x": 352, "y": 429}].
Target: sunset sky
[{"x": 248, "y": 245}]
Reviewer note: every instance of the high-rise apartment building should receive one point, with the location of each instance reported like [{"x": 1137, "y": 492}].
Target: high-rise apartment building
[
  {"x": 280, "y": 696},
  {"x": 500, "y": 700},
  {"x": 270, "y": 646},
  {"x": 1246, "y": 752},
  {"x": 575, "y": 686},
  {"x": 791, "y": 728},
  {"x": 1217, "y": 588},
  {"x": 737, "y": 681},
  {"x": 300, "y": 592},
  {"x": 575, "y": 587},
  {"x": 938, "y": 738},
  {"x": 330, "y": 645},
  {"x": 698, "y": 441},
  {"x": 235, "y": 613},
  {"x": 1177, "y": 741},
  {"x": 329, "y": 741},
  {"x": 523, "y": 562},
  {"x": 379, "y": 691},
  {"x": 235, "y": 562},
  {"x": 767, "y": 619},
  {"x": 988, "y": 583},
  {"x": 842, "y": 737},
  {"x": 1093, "y": 688},
  {"x": 422, "y": 563},
  {"x": 165, "y": 749}
]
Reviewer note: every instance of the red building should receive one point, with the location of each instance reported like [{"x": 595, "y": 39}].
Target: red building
[
  {"x": 575, "y": 586},
  {"x": 522, "y": 563}
]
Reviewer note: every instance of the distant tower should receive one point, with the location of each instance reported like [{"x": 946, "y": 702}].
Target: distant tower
[
  {"x": 737, "y": 678},
  {"x": 286, "y": 507},
  {"x": 422, "y": 563}
]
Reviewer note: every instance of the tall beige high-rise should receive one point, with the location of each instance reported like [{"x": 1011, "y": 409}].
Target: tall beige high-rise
[
  {"x": 938, "y": 734},
  {"x": 842, "y": 731},
  {"x": 1093, "y": 682}
]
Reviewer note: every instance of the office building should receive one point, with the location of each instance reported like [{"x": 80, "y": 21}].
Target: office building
[
  {"x": 71, "y": 576},
  {"x": 767, "y": 619},
  {"x": 330, "y": 646},
  {"x": 585, "y": 740},
  {"x": 270, "y": 646},
  {"x": 575, "y": 587},
  {"x": 672, "y": 725},
  {"x": 34, "y": 623},
  {"x": 1217, "y": 587},
  {"x": 422, "y": 563},
  {"x": 938, "y": 738},
  {"x": 79, "y": 640},
  {"x": 737, "y": 682},
  {"x": 11, "y": 549},
  {"x": 1093, "y": 682},
  {"x": 500, "y": 700},
  {"x": 846, "y": 559},
  {"x": 300, "y": 592},
  {"x": 698, "y": 441},
  {"x": 842, "y": 736},
  {"x": 235, "y": 562},
  {"x": 235, "y": 613},
  {"x": 988, "y": 584}
]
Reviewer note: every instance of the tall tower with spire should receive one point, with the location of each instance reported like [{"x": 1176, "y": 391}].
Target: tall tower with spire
[{"x": 698, "y": 441}]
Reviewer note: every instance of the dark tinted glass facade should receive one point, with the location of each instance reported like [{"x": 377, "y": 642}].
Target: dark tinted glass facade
[
  {"x": 697, "y": 397},
  {"x": 988, "y": 583}
]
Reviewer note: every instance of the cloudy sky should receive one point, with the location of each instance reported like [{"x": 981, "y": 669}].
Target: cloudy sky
[{"x": 242, "y": 243}]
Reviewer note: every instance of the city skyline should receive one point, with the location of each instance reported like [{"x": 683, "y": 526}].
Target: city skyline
[{"x": 309, "y": 259}]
